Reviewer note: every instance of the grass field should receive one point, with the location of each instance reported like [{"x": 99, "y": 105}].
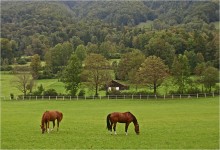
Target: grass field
[{"x": 167, "y": 124}]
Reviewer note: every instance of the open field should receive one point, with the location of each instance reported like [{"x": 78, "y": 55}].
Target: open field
[{"x": 167, "y": 124}]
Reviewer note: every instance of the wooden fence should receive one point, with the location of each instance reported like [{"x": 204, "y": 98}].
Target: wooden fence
[{"x": 108, "y": 97}]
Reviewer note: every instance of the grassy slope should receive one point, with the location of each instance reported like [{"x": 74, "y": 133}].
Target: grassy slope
[
  {"x": 182, "y": 124},
  {"x": 7, "y": 86}
]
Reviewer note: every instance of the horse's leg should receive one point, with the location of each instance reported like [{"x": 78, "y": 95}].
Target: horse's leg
[
  {"x": 58, "y": 122},
  {"x": 47, "y": 127},
  {"x": 53, "y": 125},
  {"x": 111, "y": 124},
  {"x": 126, "y": 128},
  {"x": 115, "y": 127}
]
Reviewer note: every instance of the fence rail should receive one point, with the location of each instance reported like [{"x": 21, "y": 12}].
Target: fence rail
[{"x": 143, "y": 97}]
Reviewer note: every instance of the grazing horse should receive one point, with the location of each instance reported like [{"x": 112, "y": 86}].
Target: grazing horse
[
  {"x": 125, "y": 117},
  {"x": 50, "y": 116}
]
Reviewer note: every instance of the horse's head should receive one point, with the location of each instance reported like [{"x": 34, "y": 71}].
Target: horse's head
[
  {"x": 42, "y": 128},
  {"x": 137, "y": 128}
]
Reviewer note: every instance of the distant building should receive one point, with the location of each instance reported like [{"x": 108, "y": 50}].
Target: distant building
[{"x": 116, "y": 86}]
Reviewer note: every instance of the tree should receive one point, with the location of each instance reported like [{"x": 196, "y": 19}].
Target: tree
[
  {"x": 71, "y": 74},
  {"x": 35, "y": 66},
  {"x": 152, "y": 72},
  {"x": 23, "y": 81},
  {"x": 8, "y": 48},
  {"x": 81, "y": 52},
  {"x": 210, "y": 77},
  {"x": 129, "y": 61},
  {"x": 181, "y": 72},
  {"x": 57, "y": 57},
  {"x": 96, "y": 71},
  {"x": 159, "y": 47}
]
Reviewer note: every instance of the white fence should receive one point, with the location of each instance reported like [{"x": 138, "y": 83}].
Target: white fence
[{"x": 142, "y": 97}]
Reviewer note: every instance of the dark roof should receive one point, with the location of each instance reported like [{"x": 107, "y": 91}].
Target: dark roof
[{"x": 115, "y": 83}]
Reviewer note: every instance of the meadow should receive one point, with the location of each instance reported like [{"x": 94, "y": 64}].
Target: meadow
[{"x": 164, "y": 124}]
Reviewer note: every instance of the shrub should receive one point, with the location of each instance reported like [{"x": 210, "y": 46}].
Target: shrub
[
  {"x": 12, "y": 96},
  {"x": 21, "y": 61},
  {"x": 81, "y": 93},
  {"x": 50, "y": 92}
]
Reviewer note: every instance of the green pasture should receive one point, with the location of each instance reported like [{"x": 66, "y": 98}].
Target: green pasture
[
  {"x": 8, "y": 87},
  {"x": 164, "y": 124}
]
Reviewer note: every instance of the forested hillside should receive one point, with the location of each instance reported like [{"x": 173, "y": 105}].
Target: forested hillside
[{"x": 55, "y": 30}]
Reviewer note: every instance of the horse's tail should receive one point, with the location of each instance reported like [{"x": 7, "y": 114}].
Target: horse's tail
[
  {"x": 108, "y": 122},
  {"x": 61, "y": 116}
]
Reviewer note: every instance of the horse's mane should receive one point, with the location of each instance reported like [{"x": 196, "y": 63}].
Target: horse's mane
[
  {"x": 134, "y": 118},
  {"x": 42, "y": 120}
]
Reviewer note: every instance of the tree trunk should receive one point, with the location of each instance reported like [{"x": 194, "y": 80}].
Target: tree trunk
[
  {"x": 155, "y": 88},
  {"x": 96, "y": 90}
]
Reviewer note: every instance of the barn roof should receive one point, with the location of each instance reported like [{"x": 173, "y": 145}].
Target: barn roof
[{"x": 115, "y": 83}]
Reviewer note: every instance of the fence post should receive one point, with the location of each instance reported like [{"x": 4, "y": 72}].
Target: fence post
[
  {"x": 213, "y": 94},
  {"x": 155, "y": 96},
  {"x": 36, "y": 97},
  {"x": 63, "y": 98},
  {"x": 77, "y": 97},
  {"x": 49, "y": 97},
  {"x": 180, "y": 96},
  {"x": 205, "y": 95},
  {"x": 124, "y": 96},
  {"x": 197, "y": 95},
  {"x": 70, "y": 98},
  {"x": 172, "y": 96},
  {"x": 164, "y": 97},
  {"x": 132, "y": 96},
  {"x": 140, "y": 96}
]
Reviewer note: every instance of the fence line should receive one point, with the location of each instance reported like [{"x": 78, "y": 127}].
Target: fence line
[{"x": 108, "y": 97}]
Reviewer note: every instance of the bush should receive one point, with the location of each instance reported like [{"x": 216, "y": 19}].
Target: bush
[
  {"x": 12, "y": 96},
  {"x": 50, "y": 92},
  {"x": 81, "y": 93},
  {"x": 21, "y": 61},
  {"x": 6, "y": 68}
]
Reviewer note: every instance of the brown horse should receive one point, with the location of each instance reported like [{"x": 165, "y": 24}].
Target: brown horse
[
  {"x": 125, "y": 117},
  {"x": 50, "y": 116}
]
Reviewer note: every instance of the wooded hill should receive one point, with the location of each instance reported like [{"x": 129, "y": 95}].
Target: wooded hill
[
  {"x": 109, "y": 28},
  {"x": 77, "y": 40}
]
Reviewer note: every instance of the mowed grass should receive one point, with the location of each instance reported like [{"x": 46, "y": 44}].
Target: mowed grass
[{"x": 167, "y": 124}]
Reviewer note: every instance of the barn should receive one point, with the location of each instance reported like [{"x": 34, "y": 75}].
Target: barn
[{"x": 115, "y": 85}]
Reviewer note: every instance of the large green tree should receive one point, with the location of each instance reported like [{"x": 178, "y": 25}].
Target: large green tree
[
  {"x": 181, "y": 72},
  {"x": 81, "y": 52},
  {"x": 152, "y": 72},
  {"x": 96, "y": 71},
  {"x": 57, "y": 57},
  {"x": 210, "y": 76},
  {"x": 129, "y": 63},
  {"x": 71, "y": 74},
  {"x": 159, "y": 47}
]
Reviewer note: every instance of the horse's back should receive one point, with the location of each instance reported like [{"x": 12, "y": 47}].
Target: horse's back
[
  {"x": 120, "y": 117},
  {"x": 53, "y": 115},
  {"x": 59, "y": 115}
]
